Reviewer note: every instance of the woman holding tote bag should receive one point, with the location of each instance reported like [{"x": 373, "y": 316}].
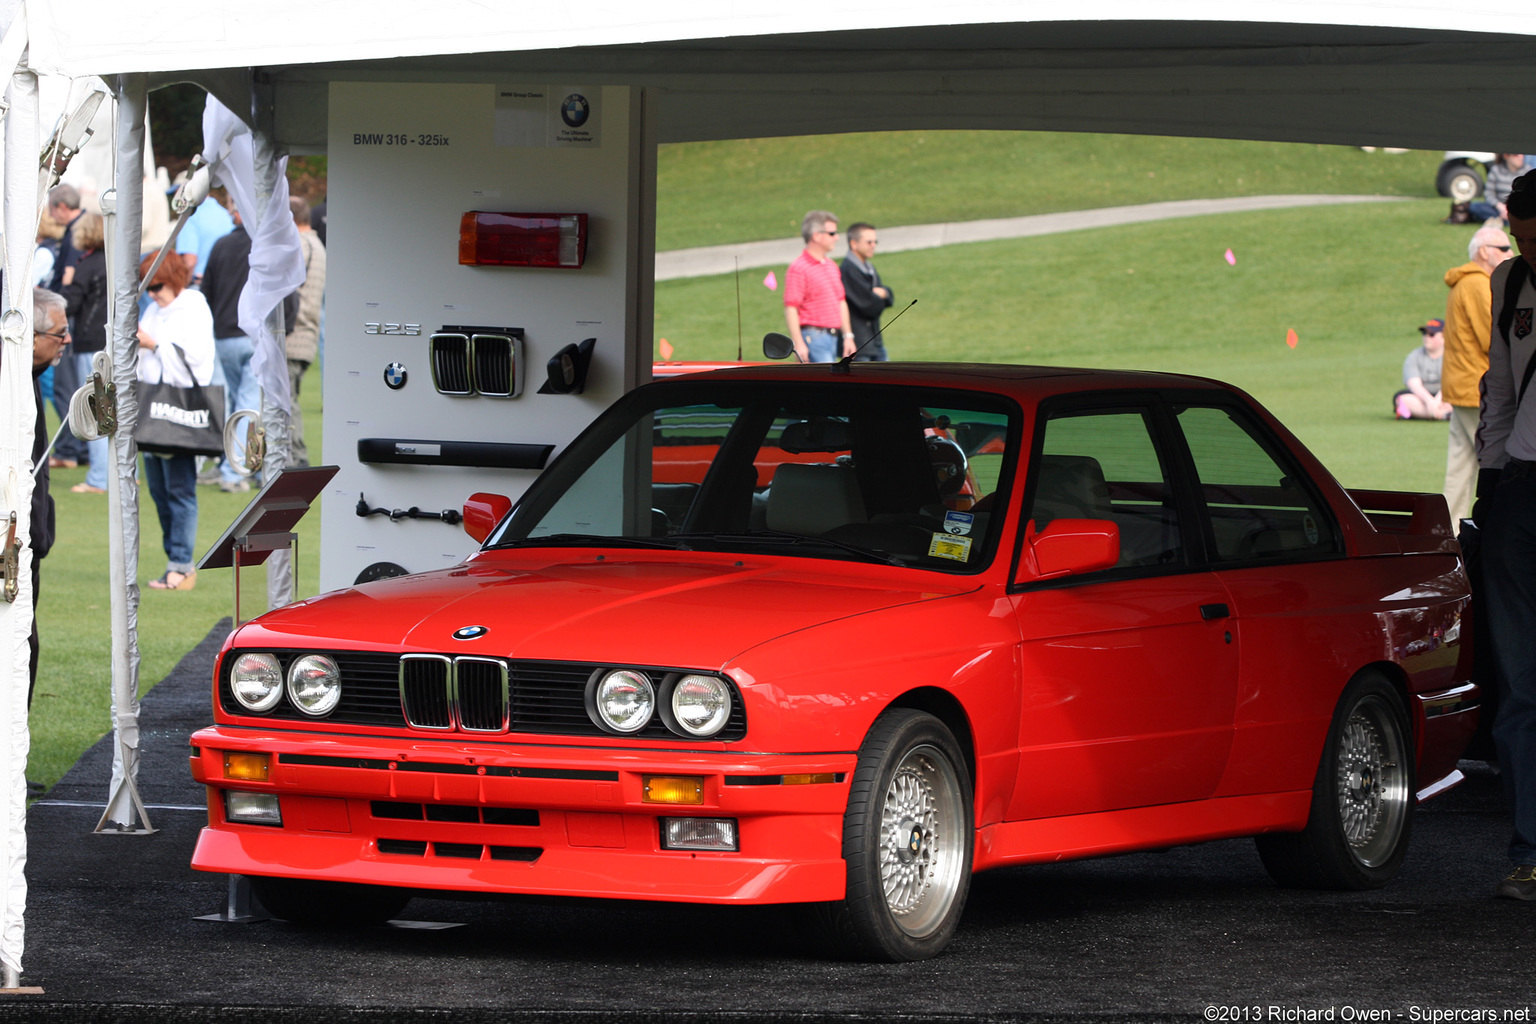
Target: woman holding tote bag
[{"x": 175, "y": 348}]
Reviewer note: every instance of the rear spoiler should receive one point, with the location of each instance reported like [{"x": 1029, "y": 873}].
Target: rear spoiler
[{"x": 1408, "y": 521}]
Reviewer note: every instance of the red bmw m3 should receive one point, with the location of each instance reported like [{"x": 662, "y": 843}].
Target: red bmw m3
[{"x": 842, "y": 637}]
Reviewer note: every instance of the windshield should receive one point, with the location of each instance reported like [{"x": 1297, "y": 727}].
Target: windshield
[{"x": 903, "y": 475}]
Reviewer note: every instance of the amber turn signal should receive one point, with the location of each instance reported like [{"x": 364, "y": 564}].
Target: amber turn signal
[
  {"x": 809, "y": 780},
  {"x": 246, "y": 767},
  {"x": 673, "y": 789}
]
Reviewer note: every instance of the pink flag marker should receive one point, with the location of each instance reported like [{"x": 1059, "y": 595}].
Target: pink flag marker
[
  {"x": 1232, "y": 260},
  {"x": 666, "y": 350},
  {"x": 1290, "y": 338},
  {"x": 771, "y": 282}
]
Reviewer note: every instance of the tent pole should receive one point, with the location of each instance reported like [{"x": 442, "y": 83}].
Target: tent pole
[{"x": 124, "y": 813}]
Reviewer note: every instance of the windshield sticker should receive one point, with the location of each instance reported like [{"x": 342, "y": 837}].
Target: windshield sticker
[
  {"x": 945, "y": 546},
  {"x": 1309, "y": 527},
  {"x": 958, "y": 523}
]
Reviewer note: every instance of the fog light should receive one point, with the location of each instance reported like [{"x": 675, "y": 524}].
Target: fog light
[
  {"x": 247, "y": 767},
  {"x": 672, "y": 789},
  {"x": 699, "y": 834},
  {"x": 252, "y": 808}
]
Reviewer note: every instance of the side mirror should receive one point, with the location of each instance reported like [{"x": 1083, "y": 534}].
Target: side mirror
[
  {"x": 482, "y": 512},
  {"x": 1069, "y": 547},
  {"x": 777, "y": 346},
  {"x": 567, "y": 369}
]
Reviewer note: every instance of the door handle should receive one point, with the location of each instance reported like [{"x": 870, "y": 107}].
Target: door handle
[{"x": 1214, "y": 611}]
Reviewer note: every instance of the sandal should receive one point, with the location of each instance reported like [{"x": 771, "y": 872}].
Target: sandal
[{"x": 173, "y": 580}]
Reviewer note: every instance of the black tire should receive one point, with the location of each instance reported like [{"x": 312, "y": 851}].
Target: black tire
[
  {"x": 1362, "y": 802},
  {"x": 328, "y": 904},
  {"x": 1459, "y": 182},
  {"x": 908, "y": 841}
]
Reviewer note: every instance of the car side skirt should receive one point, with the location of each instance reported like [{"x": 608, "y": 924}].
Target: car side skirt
[{"x": 1071, "y": 837}]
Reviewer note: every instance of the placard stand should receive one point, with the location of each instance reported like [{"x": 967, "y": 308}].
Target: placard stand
[
  {"x": 265, "y": 526},
  {"x": 267, "y": 523}
]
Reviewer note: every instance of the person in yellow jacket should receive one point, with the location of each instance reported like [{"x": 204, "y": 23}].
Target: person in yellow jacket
[{"x": 1468, "y": 324}]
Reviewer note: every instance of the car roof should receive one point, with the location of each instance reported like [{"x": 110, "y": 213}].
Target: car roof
[{"x": 1023, "y": 382}]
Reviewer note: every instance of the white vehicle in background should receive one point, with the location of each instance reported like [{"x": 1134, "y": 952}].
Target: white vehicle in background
[{"x": 1461, "y": 175}]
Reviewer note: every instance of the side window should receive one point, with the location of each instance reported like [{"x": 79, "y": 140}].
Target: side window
[
  {"x": 1258, "y": 507},
  {"x": 1105, "y": 465}
]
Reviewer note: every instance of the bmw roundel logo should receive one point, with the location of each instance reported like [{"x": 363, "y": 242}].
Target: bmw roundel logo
[
  {"x": 394, "y": 376},
  {"x": 470, "y": 632},
  {"x": 575, "y": 110}
]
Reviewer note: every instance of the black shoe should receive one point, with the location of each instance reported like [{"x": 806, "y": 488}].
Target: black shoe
[{"x": 1520, "y": 885}]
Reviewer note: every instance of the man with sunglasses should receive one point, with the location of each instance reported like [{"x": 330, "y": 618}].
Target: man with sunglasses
[
  {"x": 1468, "y": 320},
  {"x": 1506, "y": 448},
  {"x": 50, "y": 335},
  {"x": 815, "y": 306}
]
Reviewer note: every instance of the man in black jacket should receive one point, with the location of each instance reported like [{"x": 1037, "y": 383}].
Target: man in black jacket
[
  {"x": 229, "y": 264},
  {"x": 50, "y": 334},
  {"x": 867, "y": 296}
]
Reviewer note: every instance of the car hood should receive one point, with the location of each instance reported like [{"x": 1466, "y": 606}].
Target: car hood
[{"x": 697, "y": 615}]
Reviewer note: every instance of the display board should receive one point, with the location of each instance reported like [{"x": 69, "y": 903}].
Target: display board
[{"x": 407, "y": 161}]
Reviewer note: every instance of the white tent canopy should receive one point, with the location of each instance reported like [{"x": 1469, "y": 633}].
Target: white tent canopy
[
  {"x": 1413, "y": 74},
  {"x": 1409, "y": 74}
]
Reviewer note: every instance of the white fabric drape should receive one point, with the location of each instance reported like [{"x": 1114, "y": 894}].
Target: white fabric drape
[{"x": 277, "y": 256}]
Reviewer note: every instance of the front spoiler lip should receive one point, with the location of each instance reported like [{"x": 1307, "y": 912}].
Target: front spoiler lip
[{"x": 791, "y": 834}]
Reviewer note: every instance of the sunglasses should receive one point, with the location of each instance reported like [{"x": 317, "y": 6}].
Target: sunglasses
[{"x": 152, "y": 289}]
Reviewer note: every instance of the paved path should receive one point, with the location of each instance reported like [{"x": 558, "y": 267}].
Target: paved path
[{"x": 721, "y": 259}]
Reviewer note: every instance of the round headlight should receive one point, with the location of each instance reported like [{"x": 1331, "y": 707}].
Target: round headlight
[
  {"x": 256, "y": 680},
  {"x": 701, "y": 704},
  {"x": 314, "y": 684},
  {"x": 623, "y": 701}
]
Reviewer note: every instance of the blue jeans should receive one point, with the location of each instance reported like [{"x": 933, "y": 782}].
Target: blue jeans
[
  {"x": 100, "y": 449},
  {"x": 241, "y": 389},
  {"x": 173, "y": 486},
  {"x": 824, "y": 343},
  {"x": 65, "y": 382},
  {"x": 1509, "y": 580}
]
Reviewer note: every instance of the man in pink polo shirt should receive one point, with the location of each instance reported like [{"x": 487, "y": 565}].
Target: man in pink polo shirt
[{"x": 814, "y": 304}]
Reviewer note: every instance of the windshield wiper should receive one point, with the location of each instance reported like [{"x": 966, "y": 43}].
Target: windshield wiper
[
  {"x": 593, "y": 540},
  {"x": 780, "y": 537}
]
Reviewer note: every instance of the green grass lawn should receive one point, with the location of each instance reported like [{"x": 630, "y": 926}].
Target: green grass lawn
[
  {"x": 1353, "y": 282},
  {"x": 743, "y": 190},
  {"x": 71, "y": 706}
]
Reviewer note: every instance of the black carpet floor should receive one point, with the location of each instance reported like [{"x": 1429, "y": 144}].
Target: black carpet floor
[{"x": 1197, "y": 933}]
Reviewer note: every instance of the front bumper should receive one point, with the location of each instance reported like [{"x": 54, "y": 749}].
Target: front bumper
[{"x": 533, "y": 818}]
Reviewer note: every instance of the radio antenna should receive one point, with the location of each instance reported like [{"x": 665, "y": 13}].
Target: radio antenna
[
  {"x": 738, "y": 309},
  {"x": 841, "y": 366}
]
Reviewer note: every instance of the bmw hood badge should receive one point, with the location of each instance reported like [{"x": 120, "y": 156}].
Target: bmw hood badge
[{"x": 470, "y": 632}]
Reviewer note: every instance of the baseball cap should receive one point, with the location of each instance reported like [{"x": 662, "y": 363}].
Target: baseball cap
[{"x": 1433, "y": 327}]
